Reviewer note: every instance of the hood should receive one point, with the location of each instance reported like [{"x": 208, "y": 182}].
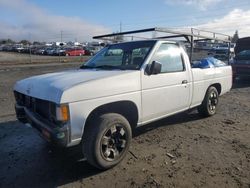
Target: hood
[{"x": 75, "y": 85}]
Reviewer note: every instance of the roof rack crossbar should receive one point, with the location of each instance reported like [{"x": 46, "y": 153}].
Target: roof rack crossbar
[
  {"x": 191, "y": 37},
  {"x": 175, "y": 36},
  {"x": 169, "y": 36},
  {"x": 124, "y": 33},
  {"x": 171, "y": 31}
]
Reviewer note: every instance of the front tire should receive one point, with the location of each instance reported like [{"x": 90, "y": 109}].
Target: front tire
[
  {"x": 107, "y": 140},
  {"x": 210, "y": 102}
]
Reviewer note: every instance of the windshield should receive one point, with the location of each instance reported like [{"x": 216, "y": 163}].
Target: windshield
[
  {"x": 243, "y": 55},
  {"x": 125, "y": 56}
]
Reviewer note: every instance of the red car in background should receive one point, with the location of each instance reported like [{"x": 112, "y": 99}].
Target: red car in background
[{"x": 76, "y": 52}]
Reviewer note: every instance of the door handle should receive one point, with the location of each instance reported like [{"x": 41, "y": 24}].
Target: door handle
[{"x": 184, "y": 82}]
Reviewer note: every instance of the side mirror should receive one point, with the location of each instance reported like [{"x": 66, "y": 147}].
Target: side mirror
[{"x": 153, "y": 68}]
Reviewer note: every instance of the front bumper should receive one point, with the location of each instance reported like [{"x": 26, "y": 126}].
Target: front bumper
[{"x": 56, "y": 135}]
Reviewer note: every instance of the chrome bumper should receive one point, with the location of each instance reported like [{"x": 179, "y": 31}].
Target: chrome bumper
[{"x": 57, "y": 135}]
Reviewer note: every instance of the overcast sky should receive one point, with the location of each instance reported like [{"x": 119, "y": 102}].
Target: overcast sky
[{"x": 80, "y": 20}]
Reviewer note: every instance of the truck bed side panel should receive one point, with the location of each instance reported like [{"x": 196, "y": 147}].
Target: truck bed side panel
[{"x": 203, "y": 78}]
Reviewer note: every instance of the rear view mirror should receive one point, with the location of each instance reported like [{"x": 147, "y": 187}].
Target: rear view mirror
[{"x": 153, "y": 68}]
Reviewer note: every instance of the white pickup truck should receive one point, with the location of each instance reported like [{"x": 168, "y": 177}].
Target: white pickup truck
[{"x": 124, "y": 86}]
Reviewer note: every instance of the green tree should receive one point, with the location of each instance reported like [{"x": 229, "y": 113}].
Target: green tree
[
  {"x": 7, "y": 41},
  {"x": 235, "y": 37},
  {"x": 25, "y": 42},
  {"x": 36, "y": 43}
]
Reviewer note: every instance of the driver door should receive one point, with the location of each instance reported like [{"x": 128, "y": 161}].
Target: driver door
[{"x": 169, "y": 91}]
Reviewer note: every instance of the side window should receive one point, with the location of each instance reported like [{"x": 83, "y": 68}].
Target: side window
[
  {"x": 138, "y": 56},
  {"x": 169, "y": 55}
]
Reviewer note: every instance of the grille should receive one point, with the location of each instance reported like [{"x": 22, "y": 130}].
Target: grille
[{"x": 41, "y": 107}]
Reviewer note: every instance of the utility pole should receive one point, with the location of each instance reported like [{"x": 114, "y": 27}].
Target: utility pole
[
  {"x": 30, "y": 46},
  {"x": 61, "y": 35},
  {"x": 120, "y": 26},
  {"x": 60, "y": 48},
  {"x": 120, "y": 36}
]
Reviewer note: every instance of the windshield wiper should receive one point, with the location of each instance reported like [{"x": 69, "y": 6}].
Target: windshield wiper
[
  {"x": 107, "y": 67},
  {"x": 86, "y": 67}
]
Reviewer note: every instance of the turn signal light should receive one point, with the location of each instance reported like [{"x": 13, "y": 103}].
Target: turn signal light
[{"x": 62, "y": 113}]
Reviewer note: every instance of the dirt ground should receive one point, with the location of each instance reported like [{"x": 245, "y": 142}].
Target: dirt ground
[
  {"x": 184, "y": 150},
  {"x": 13, "y": 58}
]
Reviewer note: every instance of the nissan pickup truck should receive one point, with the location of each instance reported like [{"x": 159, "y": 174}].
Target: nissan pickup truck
[{"x": 124, "y": 86}]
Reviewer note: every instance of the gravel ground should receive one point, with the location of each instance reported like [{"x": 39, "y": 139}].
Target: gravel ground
[
  {"x": 13, "y": 58},
  {"x": 184, "y": 150}
]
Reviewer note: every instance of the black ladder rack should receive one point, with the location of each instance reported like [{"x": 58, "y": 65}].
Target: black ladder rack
[{"x": 194, "y": 35}]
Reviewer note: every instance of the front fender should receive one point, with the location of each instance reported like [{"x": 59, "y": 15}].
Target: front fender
[{"x": 79, "y": 111}]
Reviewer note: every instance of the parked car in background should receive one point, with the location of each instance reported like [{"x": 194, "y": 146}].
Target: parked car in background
[
  {"x": 232, "y": 46},
  {"x": 88, "y": 50},
  {"x": 39, "y": 51},
  {"x": 75, "y": 52},
  {"x": 222, "y": 51},
  {"x": 92, "y": 50},
  {"x": 48, "y": 51},
  {"x": 19, "y": 49},
  {"x": 241, "y": 62},
  {"x": 59, "y": 51},
  {"x": 221, "y": 54}
]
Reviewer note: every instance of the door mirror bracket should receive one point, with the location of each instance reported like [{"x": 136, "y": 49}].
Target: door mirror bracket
[{"x": 153, "y": 68}]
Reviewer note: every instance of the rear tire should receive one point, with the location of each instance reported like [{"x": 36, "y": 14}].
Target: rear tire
[
  {"x": 209, "y": 103},
  {"x": 107, "y": 140}
]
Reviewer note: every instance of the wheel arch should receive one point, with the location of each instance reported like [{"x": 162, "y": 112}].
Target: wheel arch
[
  {"x": 217, "y": 86},
  {"x": 204, "y": 108},
  {"x": 126, "y": 108}
]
